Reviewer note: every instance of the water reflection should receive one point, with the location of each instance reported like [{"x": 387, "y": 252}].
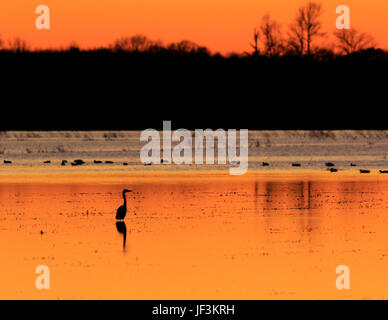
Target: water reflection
[
  {"x": 271, "y": 238},
  {"x": 122, "y": 228}
]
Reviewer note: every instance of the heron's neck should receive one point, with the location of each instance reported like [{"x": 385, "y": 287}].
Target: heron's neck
[{"x": 125, "y": 200}]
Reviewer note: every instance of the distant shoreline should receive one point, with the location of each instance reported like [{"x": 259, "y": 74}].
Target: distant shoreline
[
  {"x": 209, "y": 176},
  {"x": 48, "y": 153}
]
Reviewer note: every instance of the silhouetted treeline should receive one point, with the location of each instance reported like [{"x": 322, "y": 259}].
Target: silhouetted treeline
[
  {"x": 287, "y": 81},
  {"x": 117, "y": 88}
]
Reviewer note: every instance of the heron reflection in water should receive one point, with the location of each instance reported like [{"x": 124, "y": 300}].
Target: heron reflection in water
[{"x": 122, "y": 228}]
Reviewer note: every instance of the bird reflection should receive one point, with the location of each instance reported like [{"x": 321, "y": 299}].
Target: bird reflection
[{"x": 122, "y": 228}]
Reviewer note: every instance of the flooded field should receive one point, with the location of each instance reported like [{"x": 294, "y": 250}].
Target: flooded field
[
  {"x": 280, "y": 148},
  {"x": 258, "y": 236}
]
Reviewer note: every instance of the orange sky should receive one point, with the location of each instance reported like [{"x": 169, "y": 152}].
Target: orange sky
[{"x": 221, "y": 25}]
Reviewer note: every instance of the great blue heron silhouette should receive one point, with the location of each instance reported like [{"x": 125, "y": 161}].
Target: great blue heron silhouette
[
  {"x": 122, "y": 228},
  {"x": 122, "y": 210}
]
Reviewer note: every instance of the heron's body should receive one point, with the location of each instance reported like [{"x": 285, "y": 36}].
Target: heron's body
[{"x": 122, "y": 210}]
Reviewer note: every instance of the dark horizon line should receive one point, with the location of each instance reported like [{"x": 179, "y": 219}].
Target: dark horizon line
[
  {"x": 187, "y": 47},
  {"x": 199, "y": 50}
]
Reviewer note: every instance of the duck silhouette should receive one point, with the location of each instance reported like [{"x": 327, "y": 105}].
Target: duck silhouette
[{"x": 122, "y": 210}]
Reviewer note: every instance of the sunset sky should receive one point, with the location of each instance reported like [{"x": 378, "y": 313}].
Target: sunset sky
[{"x": 224, "y": 26}]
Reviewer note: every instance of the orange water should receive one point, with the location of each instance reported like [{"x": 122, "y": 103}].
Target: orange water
[{"x": 251, "y": 237}]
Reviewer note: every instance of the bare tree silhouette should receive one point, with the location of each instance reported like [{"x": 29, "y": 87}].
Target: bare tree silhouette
[
  {"x": 306, "y": 27},
  {"x": 255, "y": 44},
  {"x": 136, "y": 43},
  {"x": 296, "y": 36},
  {"x": 186, "y": 46},
  {"x": 352, "y": 40},
  {"x": 73, "y": 46},
  {"x": 18, "y": 45},
  {"x": 271, "y": 34}
]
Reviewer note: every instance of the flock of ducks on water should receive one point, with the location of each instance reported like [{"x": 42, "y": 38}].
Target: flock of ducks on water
[
  {"x": 79, "y": 162},
  {"x": 331, "y": 166}
]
